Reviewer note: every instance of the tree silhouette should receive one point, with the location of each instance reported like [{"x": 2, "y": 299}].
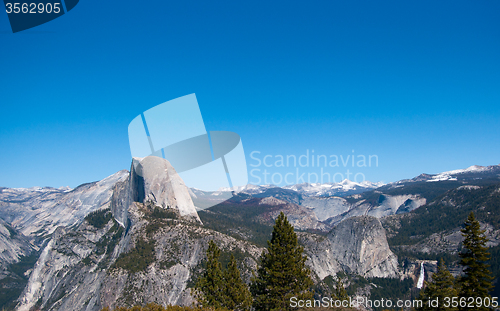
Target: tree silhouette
[
  {"x": 282, "y": 273},
  {"x": 209, "y": 289},
  {"x": 218, "y": 288},
  {"x": 476, "y": 281},
  {"x": 237, "y": 295}
]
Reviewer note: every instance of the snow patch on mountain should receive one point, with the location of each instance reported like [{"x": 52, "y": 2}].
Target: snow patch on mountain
[
  {"x": 473, "y": 168},
  {"x": 451, "y": 175},
  {"x": 468, "y": 187},
  {"x": 344, "y": 187}
]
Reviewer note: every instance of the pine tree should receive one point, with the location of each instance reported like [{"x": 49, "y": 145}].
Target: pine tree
[
  {"x": 340, "y": 293},
  {"x": 209, "y": 289},
  {"x": 237, "y": 295},
  {"x": 282, "y": 273},
  {"x": 476, "y": 281},
  {"x": 441, "y": 287},
  {"x": 222, "y": 289}
]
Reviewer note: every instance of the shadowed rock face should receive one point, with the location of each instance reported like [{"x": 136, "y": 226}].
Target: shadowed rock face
[
  {"x": 161, "y": 185},
  {"x": 13, "y": 245},
  {"x": 152, "y": 180}
]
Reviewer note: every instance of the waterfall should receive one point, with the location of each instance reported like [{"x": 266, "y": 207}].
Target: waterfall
[{"x": 420, "y": 282}]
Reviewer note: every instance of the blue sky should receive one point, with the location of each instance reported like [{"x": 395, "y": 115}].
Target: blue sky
[{"x": 416, "y": 83}]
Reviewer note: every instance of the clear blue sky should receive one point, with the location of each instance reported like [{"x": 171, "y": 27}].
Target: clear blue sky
[{"x": 415, "y": 82}]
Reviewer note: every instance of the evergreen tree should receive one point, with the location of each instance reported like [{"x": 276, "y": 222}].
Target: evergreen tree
[
  {"x": 282, "y": 273},
  {"x": 476, "y": 281},
  {"x": 222, "y": 289},
  {"x": 209, "y": 289},
  {"x": 340, "y": 293},
  {"x": 442, "y": 286},
  {"x": 237, "y": 295}
]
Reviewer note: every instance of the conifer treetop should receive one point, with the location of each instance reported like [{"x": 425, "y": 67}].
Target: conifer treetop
[
  {"x": 476, "y": 281},
  {"x": 282, "y": 273}
]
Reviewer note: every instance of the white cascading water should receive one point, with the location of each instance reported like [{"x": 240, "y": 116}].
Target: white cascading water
[{"x": 420, "y": 282}]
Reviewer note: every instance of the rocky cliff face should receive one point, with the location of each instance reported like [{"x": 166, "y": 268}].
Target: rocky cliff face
[
  {"x": 360, "y": 246},
  {"x": 92, "y": 267},
  {"x": 156, "y": 181},
  {"x": 334, "y": 210},
  {"x": 155, "y": 261},
  {"x": 357, "y": 246},
  {"x": 30, "y": 217},
  {"x": 37, "y": 212},
  {"x": 13, "y": 245},
  {"x": 179, "y": 248},
  {"x": 147, "y": 244}
]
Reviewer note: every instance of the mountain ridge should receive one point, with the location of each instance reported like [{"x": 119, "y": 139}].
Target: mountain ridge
[{"x": 137, "y": 209}]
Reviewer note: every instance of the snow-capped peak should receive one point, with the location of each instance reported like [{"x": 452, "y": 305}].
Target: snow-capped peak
[
  {"x": 343, "y": 187},
  {"x": 473, "y": 168},
  {"x": 451, "y": 175}
]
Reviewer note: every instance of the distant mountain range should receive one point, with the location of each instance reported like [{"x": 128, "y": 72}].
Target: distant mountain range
[
  {"x": 475, "y": 172},
  {"x": 346, "y": 187},
  {"x": 333, "y": 202},
  {"x": 86, "y": 245},
  {"x": 343, "y": 188}
]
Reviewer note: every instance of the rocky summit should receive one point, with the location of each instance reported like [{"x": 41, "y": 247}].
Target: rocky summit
[{"x": 152, "y": 180}]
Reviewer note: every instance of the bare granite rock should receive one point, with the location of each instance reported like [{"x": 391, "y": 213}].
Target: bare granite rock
[{"x": 360, "y": 246}]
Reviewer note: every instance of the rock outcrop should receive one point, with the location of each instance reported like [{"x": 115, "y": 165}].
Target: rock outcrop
[
  {"x": 360, "y": 246},
  {"x": 152, "y": 180},
  {"x": 300, "y": 217},
  {"x": 357, "y": 245},
  {"x": 162, "y": 185}
]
